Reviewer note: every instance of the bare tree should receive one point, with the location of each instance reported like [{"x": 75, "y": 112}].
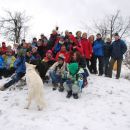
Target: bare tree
[
  {"x": 14, "y": 24},
  {"x": 112, "y": 24}
]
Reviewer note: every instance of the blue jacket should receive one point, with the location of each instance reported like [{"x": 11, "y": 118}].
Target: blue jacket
[
  {"x": 19, "y": 64},
  {"x": 98, "y": 47},
  {"x": 117, "y": 49},
  {"x": 1, "y": 62}
]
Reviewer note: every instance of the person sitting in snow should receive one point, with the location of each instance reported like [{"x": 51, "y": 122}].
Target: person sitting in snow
[
  {"x": 9, "y": 60},
  {"x": 45, "y": 64},
  {"x": 20, "y": 67},
  {"x": 63, "y": 52},
  {"x": 56, "y": 71},
  {"x": 58, "y": 44},
  {"x": 35, "y": 58}
]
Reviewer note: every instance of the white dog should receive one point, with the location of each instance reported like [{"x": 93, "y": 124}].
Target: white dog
[{"x": 35, "y": 86}]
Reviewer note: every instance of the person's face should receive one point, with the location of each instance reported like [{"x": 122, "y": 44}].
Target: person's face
[
  {"x": 42, "y": 36},
  {"x": 29, "y": 54},
  {"x": 39, "y": 43},
  {"x": 49, "y": 55},
  {"x": 79, "y": 34},
  {"x": 23, "y": 41},
  {"x": 84, "y": 35},
  {"x": 61, "y": 39},
  {"x": 3, "y": 45},
  {"x": 67, "y": 33},
  {"x": 74, "y": 56},
  {"x": 63, "y": 48},
  {"x": 29, "y": 45},
  {"x": 34, "y": 50},
  {"x": 35, "y": 40},
  {"x": 108, "y": 40},
  {"x": 116, "y": 38},
  {"x": 98, "y": 36},
  {"x": 60, "y": 61},
  {"x": 24, "y": 45}
]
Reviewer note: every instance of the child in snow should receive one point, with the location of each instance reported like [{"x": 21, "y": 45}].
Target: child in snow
[
  {"x": 19, "y": 65},
  {"x": 74, "y": 82},
  {"x": 76, "y": 75}
]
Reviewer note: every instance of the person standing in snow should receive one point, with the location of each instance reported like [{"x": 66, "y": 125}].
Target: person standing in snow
[
  {"x": 107, "y": 55},
  {"x": 87, "y": 49},
  {"x": 117, "y": 50},
  {"x": 98, "y": 50}
]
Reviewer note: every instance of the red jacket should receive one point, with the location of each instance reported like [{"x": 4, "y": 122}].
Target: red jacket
[
  {"x": 87, "y": 48},
  {"x": 66, "y": 55}
]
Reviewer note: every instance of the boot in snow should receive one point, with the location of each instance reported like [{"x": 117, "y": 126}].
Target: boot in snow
[
  {"x": 75, "y": 96},
  {"x": 69, "y": 94}
]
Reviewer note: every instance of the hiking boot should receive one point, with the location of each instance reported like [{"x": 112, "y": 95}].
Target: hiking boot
[
  {"x": 61, "y": 88},
  {"x": 75, "y": 96},
  {"x": 55, "y": 85},
  {"x": 53, "y": 88},
  {"x": 69, "y": 94}
]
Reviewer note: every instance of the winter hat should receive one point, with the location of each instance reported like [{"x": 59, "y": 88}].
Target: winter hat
[
  {"x": 49, "y": 51},
  {"x": 98, "y": 34},
  {"x": 116, "y": 34},
  {"x": 34, "y": 47},
  {"x": 61, "y": 57},
  {"x": 73, "y": 68}
]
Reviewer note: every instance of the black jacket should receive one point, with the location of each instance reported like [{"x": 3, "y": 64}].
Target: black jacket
[{"x": 117, "y": 49}]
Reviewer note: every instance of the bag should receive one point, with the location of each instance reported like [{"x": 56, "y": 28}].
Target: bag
[{"x": 115, "y": 66}]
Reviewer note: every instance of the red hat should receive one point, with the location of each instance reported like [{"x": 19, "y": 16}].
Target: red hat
[{"x": 49, "y": 51}]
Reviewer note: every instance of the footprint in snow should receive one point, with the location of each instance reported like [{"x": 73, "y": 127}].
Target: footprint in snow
[
  {"x": 85, "y": 128},
  {"x": 113, "y": 113}
]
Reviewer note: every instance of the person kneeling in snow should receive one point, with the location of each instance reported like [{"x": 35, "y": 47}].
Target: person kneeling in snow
[
  {"x": 56, "y": 71},
  {"x": 19, "y": 65}
]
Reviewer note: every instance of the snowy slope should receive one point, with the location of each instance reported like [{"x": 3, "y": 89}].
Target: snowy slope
[{"x": 103, "y": 105}]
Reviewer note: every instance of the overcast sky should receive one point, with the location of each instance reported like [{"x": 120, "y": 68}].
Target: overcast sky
[{"x": 67, "y": 14}]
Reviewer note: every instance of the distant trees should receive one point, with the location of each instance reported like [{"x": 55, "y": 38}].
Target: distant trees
[
  {"x": 14, "y": 24},
  {"x": 110, "y": 24},
  {"x": 113, "y": 23}
]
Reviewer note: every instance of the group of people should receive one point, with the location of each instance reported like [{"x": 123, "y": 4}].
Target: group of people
[{"x": 65, "y": 59}]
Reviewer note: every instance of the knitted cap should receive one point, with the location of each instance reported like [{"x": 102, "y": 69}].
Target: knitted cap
[{"x": 73, "y": 68}]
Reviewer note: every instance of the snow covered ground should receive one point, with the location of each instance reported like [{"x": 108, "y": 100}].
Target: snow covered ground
[{"x": 103, "y": 105}]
